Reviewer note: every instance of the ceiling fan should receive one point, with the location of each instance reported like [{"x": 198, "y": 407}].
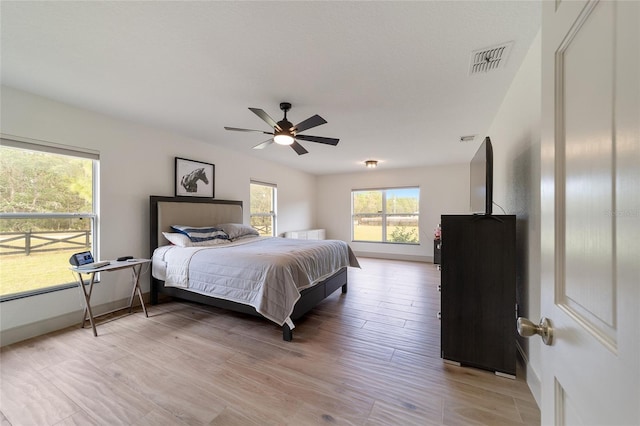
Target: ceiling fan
[{"x": 285, "y": 133}]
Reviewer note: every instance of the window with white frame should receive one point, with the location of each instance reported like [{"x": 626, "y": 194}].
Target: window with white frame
[
  {"x": 388, "y": 215},
  {"x": 47, "y": 213},
  {"x": 262, "y": 206}
]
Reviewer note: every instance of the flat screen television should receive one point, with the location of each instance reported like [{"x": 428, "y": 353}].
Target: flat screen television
[{"x": 481, "y": 182}]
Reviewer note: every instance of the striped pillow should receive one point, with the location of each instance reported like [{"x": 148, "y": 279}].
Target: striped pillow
[
  {"x": 206, "y": 233},
  {"x": 181, "y": 240}
]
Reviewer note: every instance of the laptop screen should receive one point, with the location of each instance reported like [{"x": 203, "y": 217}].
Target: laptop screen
[{"x": 83, "y": 258}]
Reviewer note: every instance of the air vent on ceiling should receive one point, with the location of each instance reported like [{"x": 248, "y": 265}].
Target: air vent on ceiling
[{"x": 489, "y": 59}]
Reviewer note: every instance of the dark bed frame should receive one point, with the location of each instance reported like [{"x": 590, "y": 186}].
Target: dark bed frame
[{"x": 309, "y": 297}]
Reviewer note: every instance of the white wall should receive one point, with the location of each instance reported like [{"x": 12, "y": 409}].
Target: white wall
[
  {"x": 135, "y": 162},
  {"x": 515, "y": 134},
  {"x": 443, "y": 190}
]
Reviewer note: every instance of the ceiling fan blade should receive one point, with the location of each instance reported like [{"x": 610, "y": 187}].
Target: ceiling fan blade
[
  {"x": 298, "y": 148},
  {"x": 319, "y": 139},
  {"x": 235, "y": 129},
  {"x": 264, "y": 144},
  {"x": 309, "y": 123},
  {"x": 270, "y": 121}
]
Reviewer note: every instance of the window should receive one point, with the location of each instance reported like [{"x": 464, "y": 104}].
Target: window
[
  {"x": 385, "y": 215},
  {"x": 263, "y": 208},
  {"x": 47, "y": 213}
]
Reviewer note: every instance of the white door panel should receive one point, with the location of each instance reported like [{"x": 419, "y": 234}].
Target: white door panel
[{"x": 591, "y": 212}]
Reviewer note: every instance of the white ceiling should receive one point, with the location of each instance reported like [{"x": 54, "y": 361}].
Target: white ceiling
[{"x": 391, "y": 78}]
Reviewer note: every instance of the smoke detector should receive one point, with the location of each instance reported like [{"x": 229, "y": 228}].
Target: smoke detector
[{"x": 489, "y": 59}]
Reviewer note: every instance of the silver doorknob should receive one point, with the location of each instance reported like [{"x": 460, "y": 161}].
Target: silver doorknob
[{"x": 526, "y": 329}]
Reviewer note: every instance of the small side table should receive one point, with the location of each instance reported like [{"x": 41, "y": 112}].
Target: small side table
[{"x": 134, "y": 264}]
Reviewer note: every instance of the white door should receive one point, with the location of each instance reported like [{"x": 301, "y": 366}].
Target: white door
[{"x": 590, "y": 216}]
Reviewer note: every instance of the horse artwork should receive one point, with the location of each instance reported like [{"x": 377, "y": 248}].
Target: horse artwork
[
  {"x": 190, "y": 181},
  {"x": 189, "y": 173}
]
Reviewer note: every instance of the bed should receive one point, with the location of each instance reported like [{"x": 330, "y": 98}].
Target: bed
[{"x": 243, "y": 273}]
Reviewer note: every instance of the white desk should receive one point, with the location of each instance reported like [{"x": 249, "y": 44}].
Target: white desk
[{"x": 134, "y": 264}]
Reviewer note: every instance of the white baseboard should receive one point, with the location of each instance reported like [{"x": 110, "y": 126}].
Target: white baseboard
[
  {"x": 38, "y": 328},
  {"x": 532, "y": 378},
  {"x": 24, "y": 332},
  {"x": 392, "y": 256}
]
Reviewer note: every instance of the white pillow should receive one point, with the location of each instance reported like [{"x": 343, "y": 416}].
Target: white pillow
[
  {"x": 181, "y": 240},
  {"x": 237, "y": 230}
]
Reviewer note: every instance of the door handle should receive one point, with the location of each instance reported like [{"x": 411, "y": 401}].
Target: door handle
[{"x": 544, "y": 329}]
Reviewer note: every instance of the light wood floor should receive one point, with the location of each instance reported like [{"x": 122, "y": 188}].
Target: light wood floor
[{"x": 370, "y": 357}]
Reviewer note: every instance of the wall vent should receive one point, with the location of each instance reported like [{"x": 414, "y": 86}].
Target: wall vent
[{"x": 489, "y": 59}]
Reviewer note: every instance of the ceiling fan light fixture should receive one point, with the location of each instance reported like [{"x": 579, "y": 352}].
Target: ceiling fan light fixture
[
  {"x": 283, "y": 138},
  {"x": 371, "y": 164},
  {"x": 285, "y": 133}
]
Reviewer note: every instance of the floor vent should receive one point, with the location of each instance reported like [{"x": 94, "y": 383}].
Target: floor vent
[{"x": 489, "y": 59}]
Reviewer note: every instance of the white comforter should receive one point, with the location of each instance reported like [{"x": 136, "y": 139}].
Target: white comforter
[{"x": 264, "y": 272}]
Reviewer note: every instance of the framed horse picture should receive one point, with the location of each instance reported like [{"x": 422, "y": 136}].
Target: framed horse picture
[{"x": 194, "y": 178}]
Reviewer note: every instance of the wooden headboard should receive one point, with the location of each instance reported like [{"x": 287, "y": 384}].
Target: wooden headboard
[{"x": 193, "y": 211}]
